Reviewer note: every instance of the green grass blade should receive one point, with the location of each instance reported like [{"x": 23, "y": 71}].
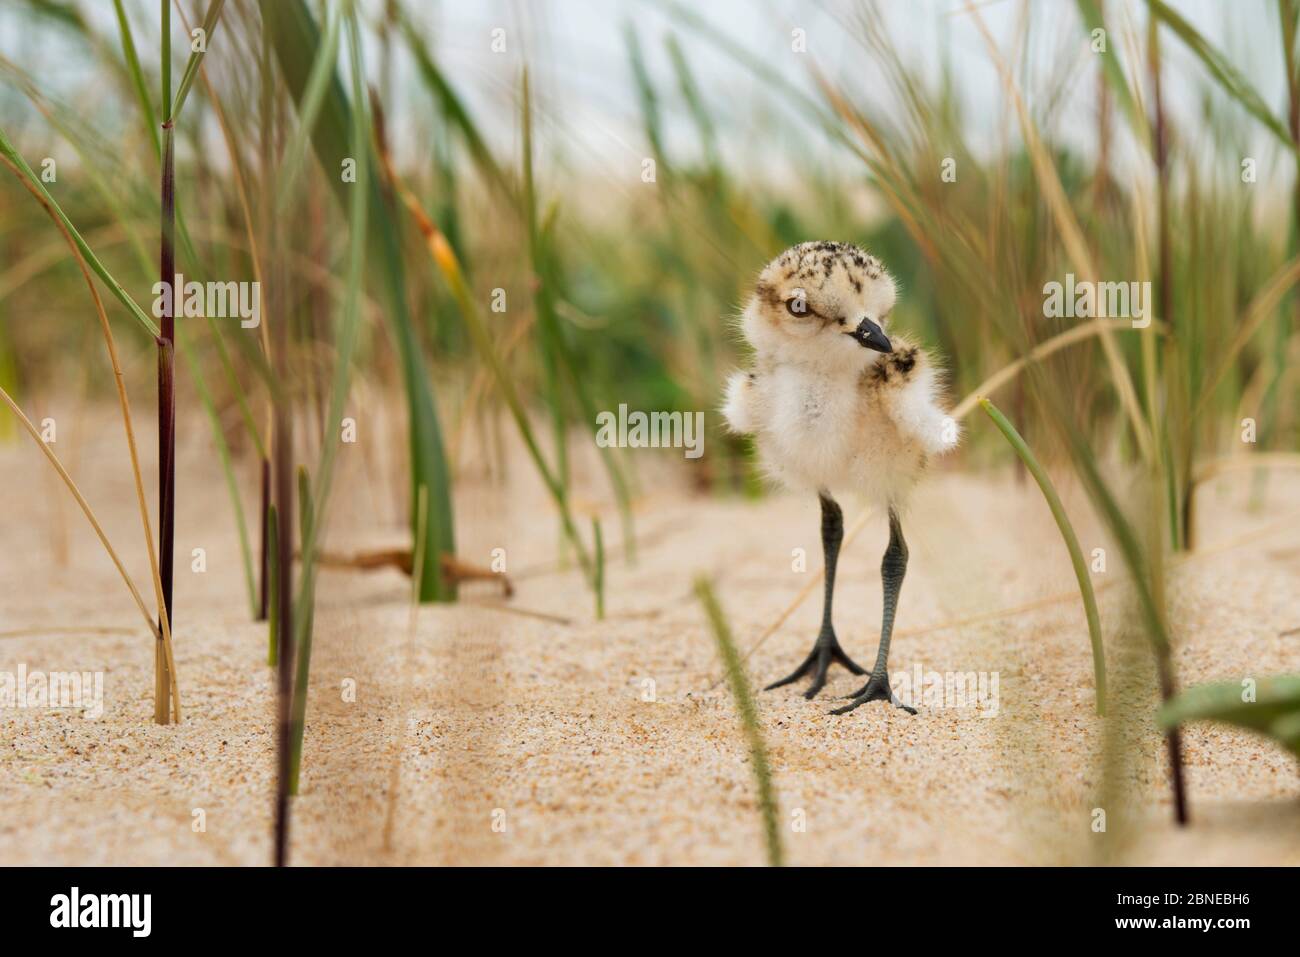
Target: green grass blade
[
  {"x": 744, "y": 699},
  {"x": 599, "y": 585},
  {"x": 454, "y": 108},
  {"x": 210, "y": 22},
  {"x": 1093, "y": 19},
  {"x": 690, "y": 90},
  {"x": 318, "y": 80},
  {"x": 1233, "y": 82},
  {"x": 557, "y": 351},
  {"x": 273, "y": 589},
  {"x": 165, "y": 39},
  {"x": 1274, "y": 710},
  {"x": 648, "y": 97},
  {"x": 543, "y": 297},
  {"x": 124, "y": 195},
  {"x": 137, "y": 76},
  {"x": 304, "y": 614},
  {"x": 295, "y": 37},
  {"x": 349, "y": 325},
  {"x": 1071, "y": 543},
  {"x": 140, "y": 316},
  {"x": 312, "y": 514},
  {"x": 445, "y": 258},
  {"x": 64, "y": 13}
]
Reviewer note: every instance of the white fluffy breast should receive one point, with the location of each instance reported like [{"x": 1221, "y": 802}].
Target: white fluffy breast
[
  {"x": 809, "y": 428},
  {"x": 818, "y": 431}
]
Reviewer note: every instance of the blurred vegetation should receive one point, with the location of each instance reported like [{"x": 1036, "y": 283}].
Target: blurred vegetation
[{"x": 600, "y": 313}]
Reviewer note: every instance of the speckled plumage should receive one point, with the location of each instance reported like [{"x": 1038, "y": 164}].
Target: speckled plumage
[{"x": 828, "y": 414}]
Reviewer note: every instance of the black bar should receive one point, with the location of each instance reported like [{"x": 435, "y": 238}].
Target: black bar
[{"x": 925, "y": 907}]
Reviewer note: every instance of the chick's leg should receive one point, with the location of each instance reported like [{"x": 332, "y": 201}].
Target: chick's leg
[
  {"x": 826, "y": 649},
  {"x": 892, "y": 569}
]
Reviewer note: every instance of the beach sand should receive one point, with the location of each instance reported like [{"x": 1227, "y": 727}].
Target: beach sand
[{"x": 534, "y": 734}]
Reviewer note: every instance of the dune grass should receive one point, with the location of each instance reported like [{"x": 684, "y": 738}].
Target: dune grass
[
  {"x": 296, "y": 38},
  {"x": 748, "y": 712},
  {"x": 166, "y": 360},
  {"x": 1270, "y": 707},
  {"x": 1071, "y": 540},
  {"x": 167, "y": 692},
  {"x": 273, "y": 589}
]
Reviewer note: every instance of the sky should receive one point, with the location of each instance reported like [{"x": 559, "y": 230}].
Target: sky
[
  {"x": 577, "y": 49},
  {"x": 587, "y": 104}
]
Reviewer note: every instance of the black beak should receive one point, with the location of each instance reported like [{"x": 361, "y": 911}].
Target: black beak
[{"x": 871, "y": 336}]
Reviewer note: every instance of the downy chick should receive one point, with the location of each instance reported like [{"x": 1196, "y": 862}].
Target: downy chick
[{"x": 836, "y": 405}]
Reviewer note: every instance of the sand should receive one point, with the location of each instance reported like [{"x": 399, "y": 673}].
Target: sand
[{"x": 492, "y": 736}]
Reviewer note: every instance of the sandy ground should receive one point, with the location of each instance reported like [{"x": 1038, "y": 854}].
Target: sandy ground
[{"x": 489, "y": 736}]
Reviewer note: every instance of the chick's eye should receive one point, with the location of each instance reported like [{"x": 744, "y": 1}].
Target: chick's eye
[{"x": 797, "y": 306}]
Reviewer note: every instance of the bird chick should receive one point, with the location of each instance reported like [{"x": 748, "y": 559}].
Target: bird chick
[{"x": 836, "y": 405}]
